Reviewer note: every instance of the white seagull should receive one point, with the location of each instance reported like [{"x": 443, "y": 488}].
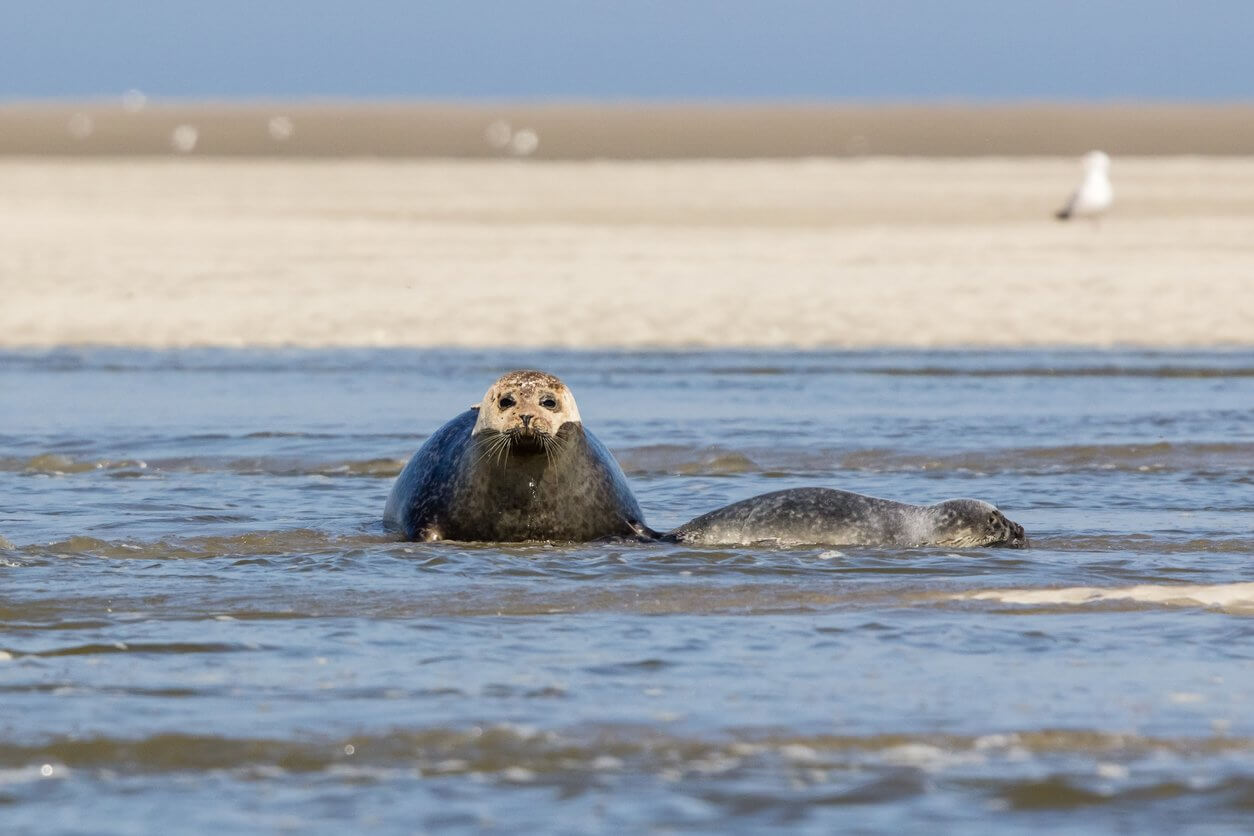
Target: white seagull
[{"x": 1094, "y": 195}]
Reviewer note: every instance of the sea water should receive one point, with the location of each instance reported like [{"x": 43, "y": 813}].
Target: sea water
[{"x": 203, "y": 626}]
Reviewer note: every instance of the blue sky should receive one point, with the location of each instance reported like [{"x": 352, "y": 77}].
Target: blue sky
[{"x": 645, "y": 49}]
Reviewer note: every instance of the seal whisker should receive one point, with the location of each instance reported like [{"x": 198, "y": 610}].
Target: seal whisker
[
  {"x": 502, "y": 457},
  {"x": 487, "y": 447},
  {"x": 500, "y": 448},
  {"x": 481, "y": 451},
  {"x": 558, "y": 443},
  {"x": 550, "y": 444}
]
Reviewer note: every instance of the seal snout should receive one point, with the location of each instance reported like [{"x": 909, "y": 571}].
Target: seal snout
[
  {"x": 1016, "y": 537},
  {"x": 528, "y": 429},
  {"x": 526, "y": 438}
]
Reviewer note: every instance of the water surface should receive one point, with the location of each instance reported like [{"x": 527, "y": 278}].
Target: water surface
[{"x": 203, "y": 625}]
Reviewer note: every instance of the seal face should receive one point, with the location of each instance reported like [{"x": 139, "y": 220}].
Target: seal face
[
  {"x": 823, "y": 516},
  {"x": 524, "y": 411},
  {"x": 974, "y": 522},
  {"x": 519, "y": 466}
]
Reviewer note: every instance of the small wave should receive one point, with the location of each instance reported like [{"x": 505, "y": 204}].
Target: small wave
[
  {"x": 58, "y": 464},
  {"x": 130, "y": 647},
  {"x": 501, "y": 748},
  {"x": 375, "y": 468},
  {"x": 1237, "y": 598},
  {"x": 681, "y": 460},
  {"x": 297, "y": 541},
  {"x": 1164, "y": 371},
  {"x": 1146, "y": 544},
  {"x": 1066, "y": 792},
  {"x": 1236, "y": 458},
  {"x": 1218, "y": 457}
]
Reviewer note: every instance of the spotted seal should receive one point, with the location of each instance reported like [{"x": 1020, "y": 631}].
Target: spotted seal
[
  {"x": 519, "y": 466},
  {"x": 824, "y": 516}
]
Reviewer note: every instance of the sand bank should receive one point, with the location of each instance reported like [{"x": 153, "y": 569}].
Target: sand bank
[
  {"x": 634, "y": 131},
  {"x": 866, "y": 252}
]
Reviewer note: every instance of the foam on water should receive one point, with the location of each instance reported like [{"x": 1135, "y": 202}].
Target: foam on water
[{"x": 1235, "y": 598}]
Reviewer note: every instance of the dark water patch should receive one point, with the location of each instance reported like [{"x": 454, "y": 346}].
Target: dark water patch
[
  {"x": 630, "y": 668},
  {"x": 1061, "y": 792},
  {"x": 749, "y": 363},
  {"x": 1211, "y": 459},
  {"x": 1159, "y": 543},
  {"x": 62, "y": 688},
  {"x": 1163, "y": 371},
  {"x": 130, "y": 647},
  {"x": 302, "y": 542},
  {"x": 497, "y": 748},
  {"x": 56, "y": 464},
  {"x": 1233, "y": 460}
]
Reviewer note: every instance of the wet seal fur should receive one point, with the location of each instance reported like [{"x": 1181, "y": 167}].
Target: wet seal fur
[
  {"x": 824, "y": 516},
  {"x": 519, "y": 466}
]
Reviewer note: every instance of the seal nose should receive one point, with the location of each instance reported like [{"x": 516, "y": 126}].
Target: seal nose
[{"x": 526, "y": 419}]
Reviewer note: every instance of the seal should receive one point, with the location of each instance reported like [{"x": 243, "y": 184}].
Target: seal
[
  {"x": 824, "y": 516},
  {"x": 519, "y": 466}
]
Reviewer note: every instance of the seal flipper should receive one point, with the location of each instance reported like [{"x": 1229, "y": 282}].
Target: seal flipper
[{"x": 644, "y": 533}]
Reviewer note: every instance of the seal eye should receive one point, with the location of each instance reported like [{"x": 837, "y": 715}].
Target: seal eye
[
  {"x": 506, "y": 402},
  {"x": 549, "y": 402}
]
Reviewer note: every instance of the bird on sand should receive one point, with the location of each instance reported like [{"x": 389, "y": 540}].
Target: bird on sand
[{"x": 1094, "y": 195}]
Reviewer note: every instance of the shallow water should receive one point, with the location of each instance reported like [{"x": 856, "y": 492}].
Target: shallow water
[{"x": 203, "y": 626}]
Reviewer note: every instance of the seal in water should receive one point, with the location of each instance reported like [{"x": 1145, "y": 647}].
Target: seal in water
[
  {"x": 823, "y": 516},
  {"x": 519, "y": 466}
]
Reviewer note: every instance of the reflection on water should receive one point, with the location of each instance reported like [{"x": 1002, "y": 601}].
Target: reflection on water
[{"x": 203, "y": 625}]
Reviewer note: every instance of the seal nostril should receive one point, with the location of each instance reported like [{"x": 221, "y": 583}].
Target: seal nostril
[{"x": 526, "y": 419}]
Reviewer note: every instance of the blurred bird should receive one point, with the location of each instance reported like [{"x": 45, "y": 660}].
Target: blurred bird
[{"x": 1094, "y": 195}]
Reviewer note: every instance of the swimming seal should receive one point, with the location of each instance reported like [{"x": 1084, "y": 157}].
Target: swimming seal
[
  {"x": 823, "y": 516},
  {"x": 519, "y": 466}
]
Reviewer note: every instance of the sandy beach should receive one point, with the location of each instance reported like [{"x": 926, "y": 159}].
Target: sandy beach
[{"x": 805, "y": 252}]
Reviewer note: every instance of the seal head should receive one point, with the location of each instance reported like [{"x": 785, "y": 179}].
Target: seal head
[
  {"x": 974, "y": 522},
  {"x": 525, "y": 411}
]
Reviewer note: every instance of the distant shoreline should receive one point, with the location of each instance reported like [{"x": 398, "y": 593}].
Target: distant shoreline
[{"x": 627, "y": 130}]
